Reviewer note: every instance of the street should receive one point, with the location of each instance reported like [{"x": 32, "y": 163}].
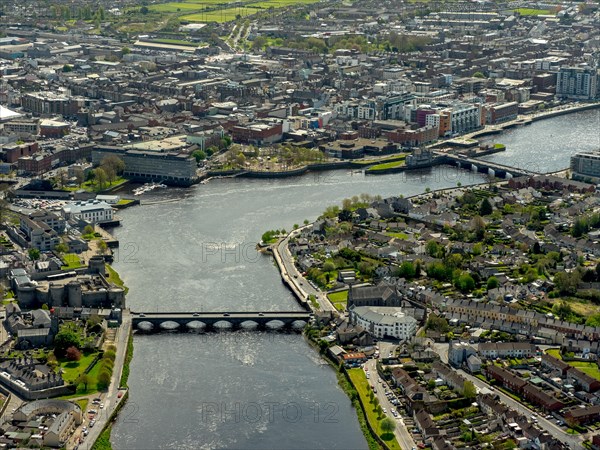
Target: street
[
  {"x": 573, "y": 441},
  {"x": 402, "y": 433},
  {"x": 110, "y": 398},
  {"x": 295, "y": 278}
]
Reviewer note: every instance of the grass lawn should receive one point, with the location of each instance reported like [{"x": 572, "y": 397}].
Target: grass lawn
[
  {"x": 532, "y": 11},
  {"x": 124, "y": 202},
  {"x": 385, "y": 166},
  {"x": 95, "y": 187},
  {"x": 339, "y": 299},
  {"x": 220, "y": 16},
  {"x": 72, "y": 260},
  {"x": 397, "y": 235},
  {"x": 585, "y": 308},
  {"x": 590, "y": 368},
  {"x": 362, "y": 387},
  {"x": 113, "y": 276},
  {"x": 72, "y": 369},
  {"x": 554, "y": 352}
]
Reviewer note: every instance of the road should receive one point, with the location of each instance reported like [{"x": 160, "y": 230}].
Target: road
[
  {"x": 403, "y": 436},
  {"x": 573, "y": 441},
  {"x": 295, "y": 278},
  {"x": 111, "y": 399}
]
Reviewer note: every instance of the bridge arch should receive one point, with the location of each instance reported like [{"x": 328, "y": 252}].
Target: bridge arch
[
  {"x": 222, "y": 325},
  {"x": 249, "y": 325},
  {"x": 145, "y": 326},
  {"x": 275, "y": 324},
  {"x": 196, "y": 325},
  {"x": 169, "y": 325}
]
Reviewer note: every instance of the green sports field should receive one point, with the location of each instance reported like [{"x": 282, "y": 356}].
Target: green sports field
[{"x": 219, "y": 10}]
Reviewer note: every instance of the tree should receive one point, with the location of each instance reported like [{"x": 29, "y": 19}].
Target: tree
[
  {"x": 567, "y": 282},
  {"x": 34, "y": 254},
  {"x": 112, "y": 166},
  {"x": 345, "y": 215},
  {"x": 492, "y": 282},
  {"x": 406, "y": 270},
  {"x": 259, "y": 42},
  {"x": 436, "y": 323},
  {"x": 200, "y": 155},
  {"x": 100, "y": 176},
  {"x": 432, "y": 248},
  {"x": 388, "y": 425},
  {"x": 465, "y": 282},
  {"x": 67, "y": 68},
  {"x": 144, "y": 10},
  {"x": 61, "y": 248},
  {"x": 328, "y": 266},
  {"x": 84, "y": 379},
  {"x": 103, "y": 379},
  {"x": 102, "y": 247},
  {"x": 126, "y": 50},
  {"x": 485, "y": 209},
  {"x": 563, "y": 310},
  {"x": 478, "y": 75},
  {"x": 469, "y": 390},
  {"x": 111, "y": 175},
  {"x": 240, "y": 159},
  {"x": 73, "y": 354},
  {"x": 79, "y": 178},
  {"x": 64, "y": 339},
  {"x": 89, "y": 229},
  {"x": 478, "y": 226}
]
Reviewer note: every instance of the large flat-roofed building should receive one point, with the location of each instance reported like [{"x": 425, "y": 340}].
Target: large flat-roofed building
[
  {"x": 577, "y": 83},
  {"x": 384, "y": 321},
  {"x": 93, "y": 211},
  {"x": 586, "y": 165},
  {"x": 167, "y": 160},
  {"x": 47, "y": 103}
]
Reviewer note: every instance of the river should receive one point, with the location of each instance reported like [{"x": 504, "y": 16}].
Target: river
[
  {"x": 546, "y": 145},
  {"x": 195, "y": 252}
]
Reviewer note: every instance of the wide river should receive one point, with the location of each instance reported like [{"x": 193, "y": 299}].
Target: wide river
[{"x": 195, "y": 251}]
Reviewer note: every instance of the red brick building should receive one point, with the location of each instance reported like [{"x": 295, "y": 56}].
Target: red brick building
[
  {"x": 538, "y": 397},
  {"x": 555, "y": 364},
  {"x": 581, "y": 416},
  {"x": 412, "y": 138},
  {"x": 11, "y": 153},
  {"x": 257, "y": 133},
  {"x": 506, "y": 378}
]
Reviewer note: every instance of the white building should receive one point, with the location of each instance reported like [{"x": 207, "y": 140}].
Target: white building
[
  {"x": 93, "y": 211},
  {"x": 465, "y": 117},
  {"x": 383, "y": 321}
]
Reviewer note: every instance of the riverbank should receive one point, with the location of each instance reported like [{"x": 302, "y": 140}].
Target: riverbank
[
  {"x": 349, "y": 389},
  {"x": 118, "y": 393}
]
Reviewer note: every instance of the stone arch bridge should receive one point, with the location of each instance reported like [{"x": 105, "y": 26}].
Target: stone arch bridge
[{"x": 212, "y": 321}]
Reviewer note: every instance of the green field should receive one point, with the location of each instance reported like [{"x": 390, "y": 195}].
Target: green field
[
  {"x": 362, "y": 387},
  {"x": 72, "y": 260},
  {"x": 339, "y": 299},
  {"x": 221, "y": 15},
  {"x": 385, "y": 166},
  {"x": 533, "y": 12},
  {"x": 219, "y": 10},
  {"x": 72, "y": 369},
  {"x": 397, "y": 235},
  {"x": 590, "y": 368}
]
